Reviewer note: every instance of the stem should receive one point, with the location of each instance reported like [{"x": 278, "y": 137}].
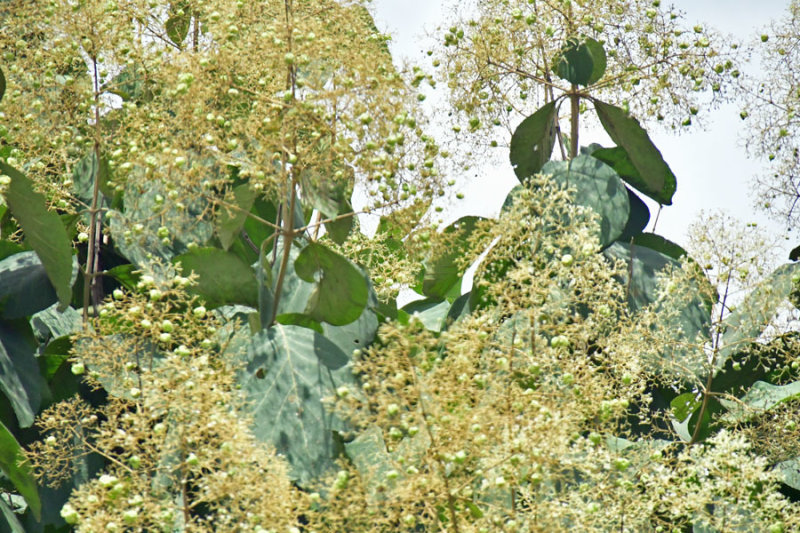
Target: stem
[
  {"x": 710, "y": 377},
  {"x": 93, "y": 252},
  {"x": 287, "y": 224},
  {"x": 658, "y": 214},
  {"x": 288, "y": 237},
  {"x": 575, "y": 109}
]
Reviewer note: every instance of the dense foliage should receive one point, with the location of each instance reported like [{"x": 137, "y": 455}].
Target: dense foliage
[{"x": 195, "y": 335}]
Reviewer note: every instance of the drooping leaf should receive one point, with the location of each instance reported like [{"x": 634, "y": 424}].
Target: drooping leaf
[
  {"x": 597, "y": 186},
  {"x": 637, "y": 219},
  {"x": 43, "y": 231},
  {"x": 20, "y": 379},
  {"x": 441, "y": 275},
  {"x": 341, "y": 292},
  {"x": 652, "y": 175},
  {"x": 290, "y": 369},
  {"x": 533, "y": 141},
  {"x": 582, "y": 61},
  {"x": 229, "y": 221},
  {"x": 223, "y": 278},
  {"x": 749, "y": 318},
  {"x": 11, "y": 463}
]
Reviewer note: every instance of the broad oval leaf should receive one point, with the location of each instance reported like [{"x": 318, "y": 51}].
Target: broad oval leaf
[
  {"x": 223, "y": 278},
  {"x": 652, "y": 175},
  {"x": 290, "y": 369},
  {"x": 581, "y": 61},
  {"x": 693, "y": 316},
  {"x": 598, "y": 187},
  {"x": 341, "y": 291},
  {"x": 533, "y": 141},
  {"x": 18, "y": 472},
  {"x": 43, "y": 231}
]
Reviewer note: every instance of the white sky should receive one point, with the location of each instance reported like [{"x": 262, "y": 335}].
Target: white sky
[{"x": 711, "y": 168}]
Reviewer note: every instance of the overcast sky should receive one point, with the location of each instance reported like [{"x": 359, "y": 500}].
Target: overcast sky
[{"x": 712, "y": 170}]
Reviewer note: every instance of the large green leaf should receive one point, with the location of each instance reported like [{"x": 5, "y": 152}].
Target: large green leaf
[
  {"x": 230, "y": 220},
  {"x": 690, "y": 313},
  {"x": 43, "y": 230},
  {"x": 441, "y": 275},
  {"x": 341, "y": 291},
  {"x": 135, "y": 230},
  {"x": 581, "y": 61},
  {"x": 84, "y": 175},
  {"x": 51, "y": 324},
  {"x": 24, "y": 286},
  {"x": 373, "y": 461},
  {"x": 638, "y": 218},
  {"x": 11, "y": 463},
  {"x": 290, "y": 369},
  {"x": 641, "y": 164},
  {"x": 223, "y": 278},
  {"x": 597, "y": 186},
  {"x": 749, "y": 318},
  {"x": 359, "y": 333},
  {"x": 20, "y": 379},
  {"x": 532, "y": 142}
]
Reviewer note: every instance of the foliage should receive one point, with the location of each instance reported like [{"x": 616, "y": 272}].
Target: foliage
[{"x": 232, "y": 355}]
